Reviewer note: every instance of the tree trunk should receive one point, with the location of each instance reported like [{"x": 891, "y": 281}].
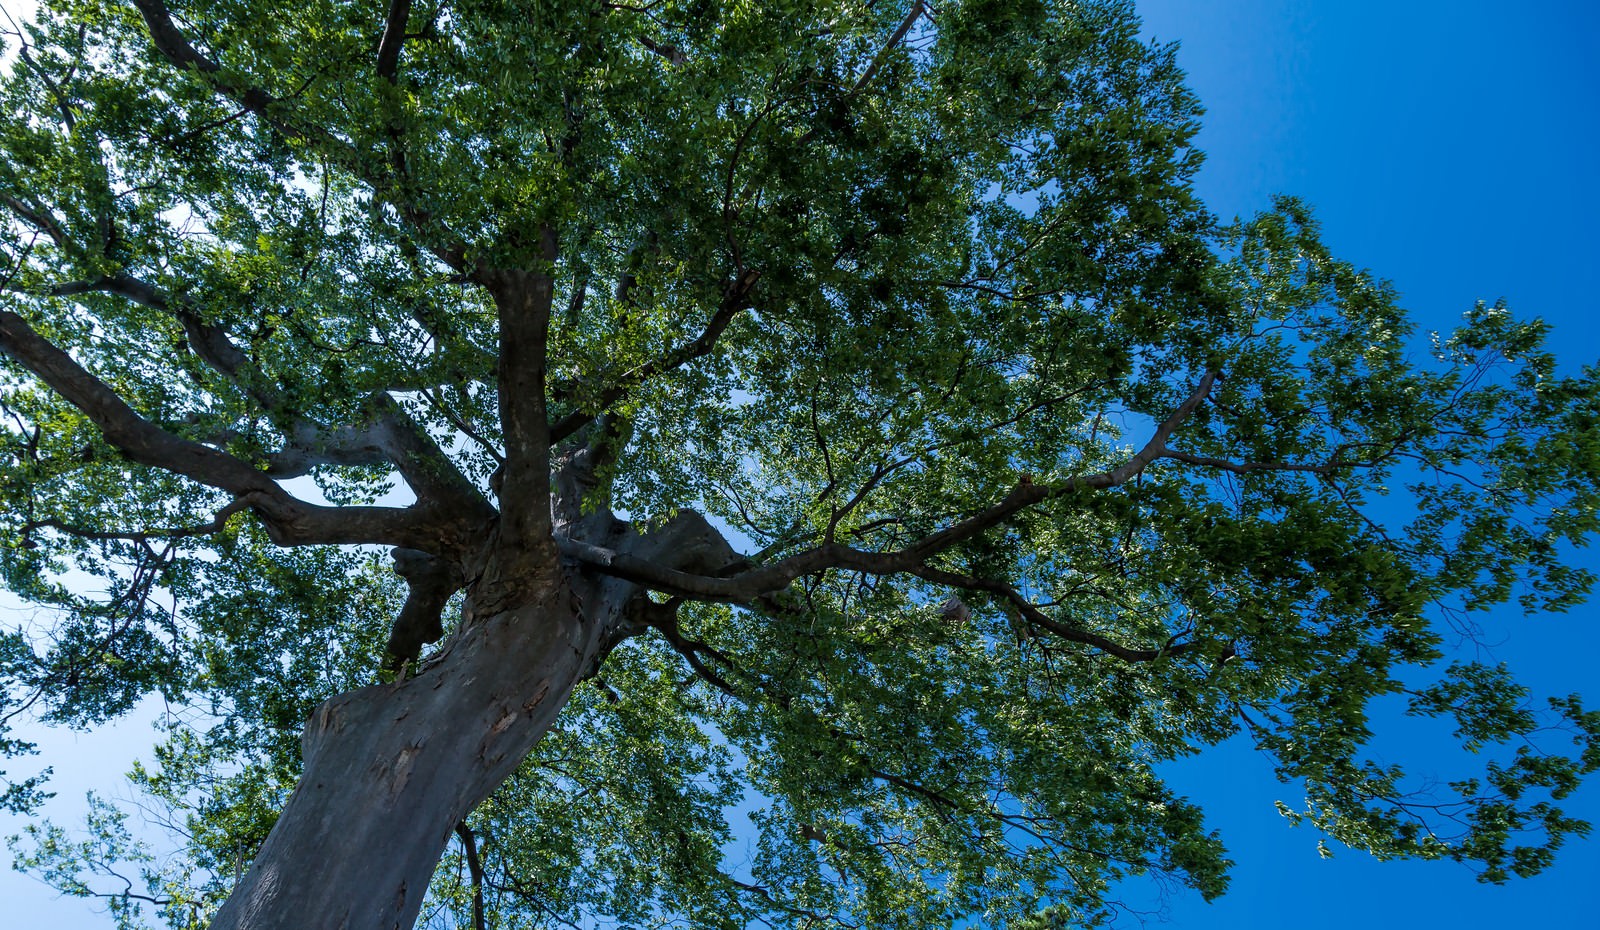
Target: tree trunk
[{"x": 391, "y": 769}]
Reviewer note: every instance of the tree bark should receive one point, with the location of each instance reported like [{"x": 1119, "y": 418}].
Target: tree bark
[{"x": 391, "y": 769}]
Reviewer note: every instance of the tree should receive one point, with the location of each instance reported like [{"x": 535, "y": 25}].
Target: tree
[{"x": 845, "y": 411}]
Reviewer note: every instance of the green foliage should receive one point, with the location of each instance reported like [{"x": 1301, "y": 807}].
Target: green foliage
[
  {"x": 110, "y": 864},
  {"x": 983, "y": 270},
  {"x": 19, "y": 796}
]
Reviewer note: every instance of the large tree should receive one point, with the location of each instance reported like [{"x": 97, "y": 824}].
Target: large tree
[{"x": 553, "y": 432}]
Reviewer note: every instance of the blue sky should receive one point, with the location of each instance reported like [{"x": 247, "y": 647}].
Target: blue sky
[{"x": 1450, "y": 147}]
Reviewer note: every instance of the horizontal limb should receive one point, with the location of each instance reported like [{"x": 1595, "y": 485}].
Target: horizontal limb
[
  {"x": 750, "y": 584},
  {"x": 288, "y": 520}
]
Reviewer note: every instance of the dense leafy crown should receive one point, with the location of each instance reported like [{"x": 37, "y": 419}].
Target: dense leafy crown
[{"x": 1053, "y": 477}]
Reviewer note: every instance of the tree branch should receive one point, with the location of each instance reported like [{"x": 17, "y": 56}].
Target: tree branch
[
  {"x": 394, "y": 36},
  {"x": 392, "y": 437},
  {"x": 288, "y": 520},
  {"x": 915, "y": 13},
  {"x": 209, "y": 341},
  {"x": 1038, "y": 618},
  {"x": 39, "y": 218},
  {"x": 469, "y": 846},
  {"x": 666, "y": 50},
  {"x": 581, "y": 477},
  {"x": 735, "y": 298},
  {"x": 664, "y": 618},
  {"x": 176, "y": 48},
  {"x": 173, "y": 45},
  {"x": 430, "y": 583},
  {"x": 217, "y": 524},
  {"x": 748, "y": 585},
  {"x": 1245, "y": 468},
  {"x": 24, "y": 54},
  {"x": 522, "y": 301}
]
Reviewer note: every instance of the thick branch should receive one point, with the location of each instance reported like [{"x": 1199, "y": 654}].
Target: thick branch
[
  {"x": 430, "y": 581},
  {"x": 139, "y": 439},
  {"x": 391, "y": 437},
  {"x": 429, "y": 472},
  {"x": 523, "y": 301},
  {"x": 394, "y": 36},
  {"x": 748, "y": 585},
  {"x": 581, "y": 476},
  {"x": 175, "y": 47},
  {"x": 665, "y": 49},
  {"x": 289, "y": 521}
]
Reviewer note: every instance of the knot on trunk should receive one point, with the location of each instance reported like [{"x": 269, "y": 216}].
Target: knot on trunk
[
  {"x": 431, "y": 581},
  {"x": 689, "y": 543}
]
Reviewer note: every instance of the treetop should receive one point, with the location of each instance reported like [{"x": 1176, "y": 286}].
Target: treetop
[{"x": 996, "y": 470}]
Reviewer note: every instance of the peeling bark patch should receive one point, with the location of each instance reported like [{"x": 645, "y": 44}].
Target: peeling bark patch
[
  {"x": 503, "y": 724},
  {"x": 538, "y": 698},
  {"x": 401, "y": 772},
  {"x": 400, "y": 900},
  {"x": 325, "y": 720}
]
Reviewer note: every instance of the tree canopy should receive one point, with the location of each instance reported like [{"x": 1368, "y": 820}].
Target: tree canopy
[{"x": 919, "y": 463}]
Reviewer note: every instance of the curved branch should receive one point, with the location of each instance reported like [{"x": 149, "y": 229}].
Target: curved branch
[
  {"x": 39, "y": 218},
  {"x": 216, "y": 525},
  {"x": 750, "y": 584},
  {"x": 209, "y": 341},
  {"x": 391, "y": 436},
  {"x": 664, "y": 618},
  {"x": 176, "y": 48},
  {"x": 735, "y": 298},
  {"x": 173, "y": 45},
  {"x": 667, "y": 50},
  {"x": 288, "y": 520},
  {"x": 1068, "y": 632},
  {"x": 430, "y": 583}
]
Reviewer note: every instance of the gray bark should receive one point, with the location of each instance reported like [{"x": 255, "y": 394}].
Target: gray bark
[{"x": 391, "y": 769}]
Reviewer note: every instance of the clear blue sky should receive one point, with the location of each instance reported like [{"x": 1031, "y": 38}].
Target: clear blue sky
[{"x": 1451, "y": 147}]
